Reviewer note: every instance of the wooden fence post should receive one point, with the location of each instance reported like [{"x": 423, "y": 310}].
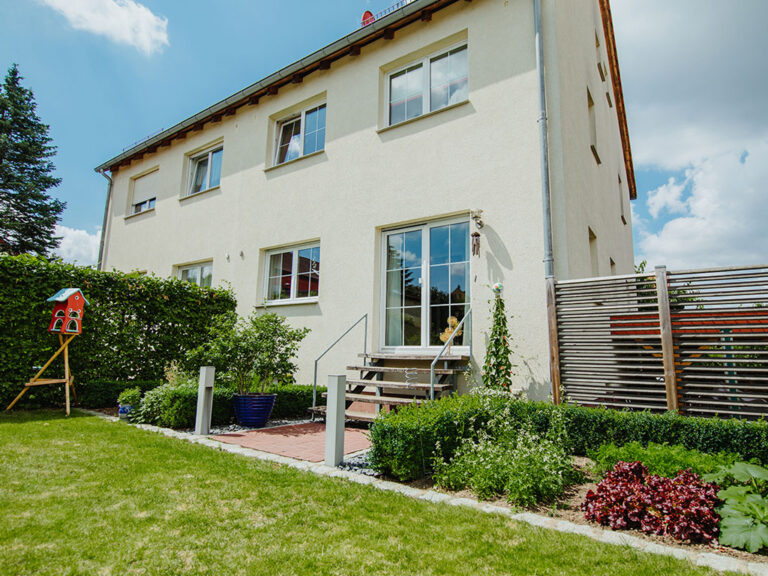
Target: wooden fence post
[
  {"x": 554, "y": 345},
  {"x": 667, "y": 342}
]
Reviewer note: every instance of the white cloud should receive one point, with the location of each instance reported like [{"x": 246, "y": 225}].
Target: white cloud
[
  {"x": 692, "y": 72},
  {"x": 668, "y": 197},
  {"x": 78, "y": 245},
  {"x": 723, "y": 221},
  {"x": 122, "y": 21}
]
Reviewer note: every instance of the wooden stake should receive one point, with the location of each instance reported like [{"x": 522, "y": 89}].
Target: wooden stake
[
  {"x": 667, "y": 343},
  {"x": 554, "y": 345},
  {"x": 66, "y": 372}
]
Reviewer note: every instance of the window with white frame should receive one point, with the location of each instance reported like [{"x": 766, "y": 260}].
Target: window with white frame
[
  {"x": 293, "y": 274},
  {"x": 205, "y": 171},
  {"x": 300, "y": 134},
  {"x": 200, "y": 274},
  {"x": 433, "y": 83},
  {"x": 144, "y": 193}
]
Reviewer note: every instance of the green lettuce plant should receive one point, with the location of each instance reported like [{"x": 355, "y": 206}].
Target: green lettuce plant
[{"x": 745, "y": 511}]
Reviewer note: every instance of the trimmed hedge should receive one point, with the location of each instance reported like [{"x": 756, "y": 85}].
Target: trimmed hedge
[
  {"x": 404, "y": 443},
  {"x": 104, "y": 393},
  {"x": 134, "y": 326},
  {"x": 176, "y": 406},
  {"x": 294, "y": 401}
]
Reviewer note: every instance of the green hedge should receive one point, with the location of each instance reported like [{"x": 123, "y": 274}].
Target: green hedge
[
  {"x": 104, "y": 393},
  {"x": 135, "y": 325},
  {"x": 294, "y": 401},
  {"x": 404, "y": 443},
  {"x": 176, "y": 406}
]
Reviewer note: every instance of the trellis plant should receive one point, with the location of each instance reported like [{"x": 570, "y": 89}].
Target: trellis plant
[{"x": 497, "y": 368}]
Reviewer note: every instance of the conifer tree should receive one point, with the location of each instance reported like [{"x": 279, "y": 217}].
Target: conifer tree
[
  {"x": 497, "y": 368},
  {"x": 28, "y": 215}
]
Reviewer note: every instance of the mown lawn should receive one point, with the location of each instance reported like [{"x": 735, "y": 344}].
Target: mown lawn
[{"x": 85, "y": 496}]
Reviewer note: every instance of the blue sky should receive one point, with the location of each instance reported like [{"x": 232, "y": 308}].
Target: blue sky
[{"x": 107, "y": 73}]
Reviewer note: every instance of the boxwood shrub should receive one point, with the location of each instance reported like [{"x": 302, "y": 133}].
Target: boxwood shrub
[
  {"x": 403, "y": 443},
  {"x": 175, "y": 406},
  {"x": 294, "y": 400}
]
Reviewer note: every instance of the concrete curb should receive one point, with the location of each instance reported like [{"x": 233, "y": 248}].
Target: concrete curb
[{"x": 704, "y": 559}]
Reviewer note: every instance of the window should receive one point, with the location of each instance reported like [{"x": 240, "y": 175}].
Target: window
[
  {"x": 205, "y": 171},
  {"x": 593, "y": 260},
  {"x": 144, "y": 193},
  {"x": 592, "y": 127},
  {"x": 434, "y": 83},
  {"x": 300, "y": 135},
  {"x": 622, "y": 209},
  {"x": 600, "y": 64},
  {"x": 293, "y": 274},
  {"x": 200, "y": 274}
]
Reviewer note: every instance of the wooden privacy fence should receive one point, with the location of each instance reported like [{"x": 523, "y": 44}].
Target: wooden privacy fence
[{"x": 694, "y": 341}]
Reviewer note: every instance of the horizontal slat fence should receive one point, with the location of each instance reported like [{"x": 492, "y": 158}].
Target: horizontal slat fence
[{"x": 695, "y": 341}]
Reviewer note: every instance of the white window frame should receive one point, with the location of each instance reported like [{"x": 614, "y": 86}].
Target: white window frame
[
  {"x": 194, "y": 159},
  {"x": 199, "y": 265},
  {"x": 302, "y": 131},
  {"x": 294, "y": 275},
  {"x": 144, "y": 206},
  {"x": 426, "y": 63}
]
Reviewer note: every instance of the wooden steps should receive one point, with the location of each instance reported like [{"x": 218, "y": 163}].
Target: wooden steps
[
  {"x": 350, "y": 414},
  {"x": 383, "y": 400},
  {"x": 415, "y": 357},
  {"x": 398, "y": 370},
  {"x": 421, "y": 386}
]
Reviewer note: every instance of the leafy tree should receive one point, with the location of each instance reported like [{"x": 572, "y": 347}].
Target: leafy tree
[
  {"x": 497, "y": 368},
  {"x": 28, "y": 215}
]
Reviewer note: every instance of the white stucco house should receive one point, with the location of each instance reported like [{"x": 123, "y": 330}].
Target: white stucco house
[{"x": 399, "y": 172}]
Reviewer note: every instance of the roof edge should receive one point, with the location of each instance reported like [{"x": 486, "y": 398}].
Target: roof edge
[{"x": 618, "y": 94}]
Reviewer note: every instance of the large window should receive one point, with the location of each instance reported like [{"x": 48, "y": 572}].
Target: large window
[
  {"x": 301, "y": 134},
  {"x": 433, "y": 83},
  {"x": 200, "y": 274},
  {"x": 144, "y": 193},
  {"x": 293, "y": 274},
  {"x": 205, "y": 171}
]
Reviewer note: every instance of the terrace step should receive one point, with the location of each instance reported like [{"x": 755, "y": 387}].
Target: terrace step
[
  {"x": 396, "y": 370},
  {"x": 399, "y": 385},
  {"x": 350, "y": 415},
  {"x": 384, "y": 400},
  {"x": 415, "y": 357}
]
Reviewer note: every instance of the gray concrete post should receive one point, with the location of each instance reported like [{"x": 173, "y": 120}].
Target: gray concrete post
[
  {"x": 204, "y": 400},
  {"x": 334, "y": 420}
]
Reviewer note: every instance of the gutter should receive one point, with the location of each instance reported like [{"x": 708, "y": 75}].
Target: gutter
[
  {"x": 104, "y": 221},
  {"x": 549, "y": 258},
  {"x": 250, "y": 95}
]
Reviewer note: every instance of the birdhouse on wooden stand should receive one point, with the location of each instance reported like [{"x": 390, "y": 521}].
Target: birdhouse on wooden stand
[
  {"x": 67, "y": 322},
  {"x": 67, "y": 317}
]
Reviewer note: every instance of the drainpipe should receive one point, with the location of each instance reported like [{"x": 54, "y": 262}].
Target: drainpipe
[
  {"x": 549, "y": 258},
  {"x": 106, "y": 214}
]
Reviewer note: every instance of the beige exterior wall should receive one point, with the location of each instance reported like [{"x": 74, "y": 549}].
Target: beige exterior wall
[
  {"x": 483, "y": 154},
  {"x": 585, "y": 195}
]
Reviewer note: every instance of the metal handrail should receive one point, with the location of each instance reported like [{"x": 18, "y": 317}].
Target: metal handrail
[
  {"x": 365, "y": 351},
  {"x": 439, "y": 354}
]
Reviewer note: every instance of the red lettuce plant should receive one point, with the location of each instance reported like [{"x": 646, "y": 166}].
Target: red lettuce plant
[{"x": 630, "y": 498}]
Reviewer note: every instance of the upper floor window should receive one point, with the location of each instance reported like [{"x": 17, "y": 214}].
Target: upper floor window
[
  {"x": 431, "y": 84},
  {"x": 293, "y": 274},
  {"x": 200, "y": 274},
  {"x": 205, "y": 171},
  {"x": 144, "y": 192},
  {"x": 300, "y": 134}
]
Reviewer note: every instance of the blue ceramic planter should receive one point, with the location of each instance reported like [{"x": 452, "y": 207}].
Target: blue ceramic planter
[
  {"x": 254, "y": 409},
  {"x": 124, "y": 410}
]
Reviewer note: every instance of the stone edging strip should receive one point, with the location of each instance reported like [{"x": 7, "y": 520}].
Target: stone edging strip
[{"x": 704, "y": 559}]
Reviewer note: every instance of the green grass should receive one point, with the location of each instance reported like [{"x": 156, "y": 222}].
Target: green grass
[{"x": 85, "y": 496}]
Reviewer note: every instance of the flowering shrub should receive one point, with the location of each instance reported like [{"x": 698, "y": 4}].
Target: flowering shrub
[
  {"x": 629, "y": 498},
  {"x": 506, "y": 459}
]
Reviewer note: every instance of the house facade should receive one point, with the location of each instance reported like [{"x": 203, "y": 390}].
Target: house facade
[{"x": 398, "y": 173}]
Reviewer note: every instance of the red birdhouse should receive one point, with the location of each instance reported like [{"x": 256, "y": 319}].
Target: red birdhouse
[{"x": 67, "y": 317}]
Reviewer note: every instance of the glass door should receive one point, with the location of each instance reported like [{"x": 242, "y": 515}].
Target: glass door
[{"x": 434, "y": 256}]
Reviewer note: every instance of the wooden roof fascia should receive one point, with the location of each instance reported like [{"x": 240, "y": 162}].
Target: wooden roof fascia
[{"x": 618, "y": 95}]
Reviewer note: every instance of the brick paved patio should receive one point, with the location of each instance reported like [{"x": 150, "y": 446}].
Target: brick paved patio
[{"x": 301, "y": 441}]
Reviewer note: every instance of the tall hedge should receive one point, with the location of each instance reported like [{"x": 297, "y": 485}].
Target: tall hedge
[{"x": 134, "y": 326}]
